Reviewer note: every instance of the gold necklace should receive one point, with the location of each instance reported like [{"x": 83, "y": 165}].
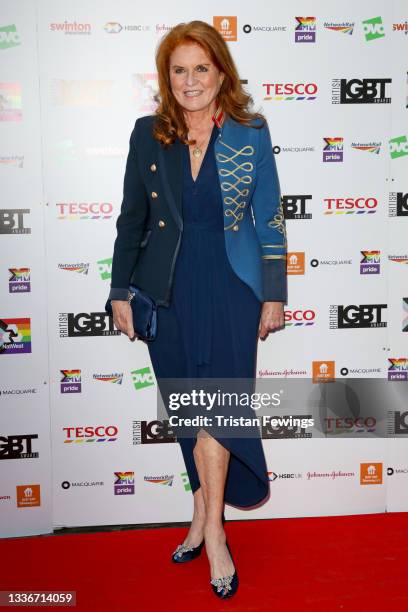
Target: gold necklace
[{"x": 197, "y": 150}]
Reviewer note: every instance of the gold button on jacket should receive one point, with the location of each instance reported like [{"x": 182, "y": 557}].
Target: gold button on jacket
[
  {"x": 154, "y": 194},
  {"x": 153, "y": 167},
  {"x": 162, "y": 223},
  {"x": 235, "y": 228}
]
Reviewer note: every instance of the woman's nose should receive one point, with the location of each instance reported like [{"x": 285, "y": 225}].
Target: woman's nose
[{"x": 190, "y": 77}]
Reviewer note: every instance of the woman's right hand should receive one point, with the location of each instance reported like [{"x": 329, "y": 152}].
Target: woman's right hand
[{"x": 122, "y": 317}]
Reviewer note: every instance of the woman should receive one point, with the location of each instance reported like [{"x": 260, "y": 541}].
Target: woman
[{"x": 199, "y": 172}]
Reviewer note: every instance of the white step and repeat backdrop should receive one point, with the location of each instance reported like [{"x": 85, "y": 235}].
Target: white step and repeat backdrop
[{"x": 79, "y": 440}]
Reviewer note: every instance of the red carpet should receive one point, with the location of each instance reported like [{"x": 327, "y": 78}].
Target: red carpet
[{"x": 334, "y": 563}]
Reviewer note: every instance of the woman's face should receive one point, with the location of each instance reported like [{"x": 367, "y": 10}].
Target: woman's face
[{"x": 194, "y": 79}]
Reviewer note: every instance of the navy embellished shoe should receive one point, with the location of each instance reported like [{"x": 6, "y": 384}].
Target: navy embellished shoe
[
  {"x": 227, "y": 585},
  {"x": 184, "y": 553}
]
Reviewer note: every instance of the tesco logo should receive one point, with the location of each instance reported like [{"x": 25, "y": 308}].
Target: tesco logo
[
  {"x": 102, "y": 432},
  {"x": 290, "y": 89},
  {"x": 351, "y": 204},
  {"x": 299, "y": 317},
  {"x": 84, "y": 210}
]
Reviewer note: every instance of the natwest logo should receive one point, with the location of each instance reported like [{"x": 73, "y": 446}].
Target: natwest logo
[
  {"x": 94, "y": 210},
  {"x": 290, "y": 91},
  {"x": 100, "y": 433},
  {"x": 351, "y": 205}
]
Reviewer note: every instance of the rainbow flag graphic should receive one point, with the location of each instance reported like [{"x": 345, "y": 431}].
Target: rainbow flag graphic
[{"x": 15, "y": 336}]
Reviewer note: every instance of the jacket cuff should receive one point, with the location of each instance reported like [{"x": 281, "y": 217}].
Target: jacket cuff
[
  {"x": 274, "y": 280},
  {"x": 118, "y": 294}
]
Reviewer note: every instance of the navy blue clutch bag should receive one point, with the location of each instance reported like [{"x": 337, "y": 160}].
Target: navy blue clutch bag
[{"x": 144, "y": 310}]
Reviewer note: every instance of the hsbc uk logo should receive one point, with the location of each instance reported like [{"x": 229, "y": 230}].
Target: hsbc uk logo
[
  {"x": 361, "y": 91},
  {"x": 357, "y": 316}
]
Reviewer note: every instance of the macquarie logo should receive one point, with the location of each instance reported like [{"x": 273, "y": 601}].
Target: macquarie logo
[
  {"x": 73, "y": 211},
  {"x": 100, "y": 433},
  {"x": 373, "y": 28},
  {"x": 105, "y": 268},
  {"x": 294, "y": 206},
  {"x": 81, "y": 268},
  {"x": 357, "y": 316},
  {"x": 12, "y": 221},
  {"x": 333, "y": 149},
  {"x": 398, "y": 204},
  {"x": 15, "y": 336},
  {"x": 290, "y": 91},
  {"x": 86, "y": 325},
  {"x": 299, "y": 318},
  {"x": 9, "y": 37},
  {"x": 152, "y": 432},
  {"x": 19, "y": 280},
  {"x": 398, "y": 147},
  {"x": 347, "y": 206},
  {"x": 124, "y": 483},
  {"x": 398, "y": 369},
  {"x": 142, "y": 378},
  {"x": 18, "y": 447},
  {"x": 71, "y": 381},
  {"x": 361, "y": 91},
  {"x": 315, "y": 263},
  {"x": 305, "y": 30},
  {"x": 370, "y": 262}
]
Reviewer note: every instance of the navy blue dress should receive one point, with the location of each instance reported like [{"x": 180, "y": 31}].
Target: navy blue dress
[{"x": 198, "y": 335}]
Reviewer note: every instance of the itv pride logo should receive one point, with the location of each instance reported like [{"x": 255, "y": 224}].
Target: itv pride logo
[
  {"x": 15, "y": 336},
  {"x": 19, "y": 281}
]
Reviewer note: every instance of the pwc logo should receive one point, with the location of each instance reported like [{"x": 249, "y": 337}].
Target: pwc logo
[{"x": 347, "y": 206}]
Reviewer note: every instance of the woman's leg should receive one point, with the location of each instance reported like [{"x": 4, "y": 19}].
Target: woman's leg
[
  {"x": 212, "y": 460},
  {"x": 196, "y": 533}
]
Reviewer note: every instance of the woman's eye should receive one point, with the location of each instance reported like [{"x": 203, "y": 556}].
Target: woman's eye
[
  {"x": 178, "y": 70},
  {"x": 202, "y": 68}
]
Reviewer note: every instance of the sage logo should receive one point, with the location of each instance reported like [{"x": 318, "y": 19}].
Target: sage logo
[
  {"x": 398, "y": 204},
  {"x": 19, "y": 280},
  {"x": 71, "y": 381},
  {"x": 142, "y": 378},
  {"x": 105, "y": 268},
  {"x": 373, "y": 28},
  {"x": 398, "y": 369},
  {"x": 124, "y": 483},
  {"x": 361, "y": 91},
  {"x": 398, "y": 147},
  {"x": 18, "y": 447},
  {"x": 333, "y": 150},
  {"x": 152, "y": 432},
  {"x": 305, "y": 31},
  {"x": 86, "y": 324},
  {"x": 9, "y": 37},
  {"x": 12, "y": 221},
  {"x": 294, "y": 206},
  {"x": 355, "y": 316},
  {"x": 370, "y": 262}
]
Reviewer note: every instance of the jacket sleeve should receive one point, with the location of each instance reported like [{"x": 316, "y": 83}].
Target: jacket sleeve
[
  {"x": 131, "y": 221},
  {"x": 270, "y": 223}
]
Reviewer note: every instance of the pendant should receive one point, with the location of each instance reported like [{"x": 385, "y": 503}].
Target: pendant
[{"x": 197, "y": 152}]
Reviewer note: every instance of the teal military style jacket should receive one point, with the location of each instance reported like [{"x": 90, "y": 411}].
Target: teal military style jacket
[{"x": 150, "y": 224}]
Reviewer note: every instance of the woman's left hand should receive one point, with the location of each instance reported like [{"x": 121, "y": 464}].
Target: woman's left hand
[{"x": 272, "y": 318}]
